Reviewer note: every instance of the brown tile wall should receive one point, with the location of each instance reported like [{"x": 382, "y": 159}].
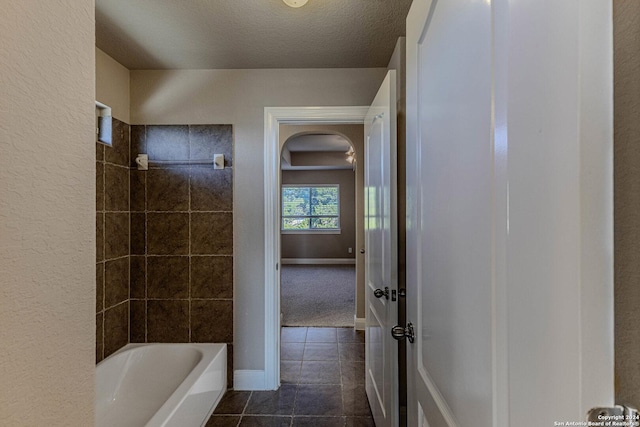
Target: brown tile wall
[
  {"x": 112, "y": 242},
  {"x": 182, "y": 237}
]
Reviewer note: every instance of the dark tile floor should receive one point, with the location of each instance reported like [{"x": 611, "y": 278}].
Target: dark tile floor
[{"x": 322, "y": 374}]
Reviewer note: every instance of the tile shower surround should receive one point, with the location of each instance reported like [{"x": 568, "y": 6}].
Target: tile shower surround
[
  {"x": 182, "y": 237},
  {"x": 179, "y": 239},
  {"x": 112, "y": 242}
]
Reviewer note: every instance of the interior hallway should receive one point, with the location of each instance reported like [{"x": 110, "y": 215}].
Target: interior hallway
[{"x": 322, "y": 374}]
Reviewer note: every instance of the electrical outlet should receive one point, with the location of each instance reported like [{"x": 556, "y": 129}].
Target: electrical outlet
[{"x": 350, "y": 250}]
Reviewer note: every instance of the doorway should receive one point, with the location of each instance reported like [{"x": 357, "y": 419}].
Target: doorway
[
  {"x": 319, "y": 179},
  {"x": 321, "y": 354},
  {"x": 274, "y": 117}
]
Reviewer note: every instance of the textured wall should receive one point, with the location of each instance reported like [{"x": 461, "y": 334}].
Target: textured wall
[
  {"x": 626, "y": 26},
  {"x": 324, "y": 245},
  {"x": 239, "y": 97},
  {"x": 112, "y": 241},
  {"x": 182, "y": 237},
  {"x": 47, "y": 284}
]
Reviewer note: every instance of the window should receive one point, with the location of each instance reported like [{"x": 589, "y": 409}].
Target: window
[{"x": 306, "y": 208}]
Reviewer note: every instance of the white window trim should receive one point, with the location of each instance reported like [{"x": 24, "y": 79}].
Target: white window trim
[{"x": 313, "y": 231}]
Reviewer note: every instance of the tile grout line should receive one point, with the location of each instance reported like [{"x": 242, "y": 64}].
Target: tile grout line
[
  {"x": 340, "y": 368},
  {"x": 114, "y": 259},
  {"x": 114, "y": 305},
  {"x": 182, "y": 299},
  {"x": 189, "y": 206},
  {"x": 187, "y": 255},
  {"x": 146, "y": 258},
  {"x": 183, "y": 211},
  {"x": 129, "y": 201},
  {"x": 244, "y": 409},
  {"x": 117, "y": 164},
  {"x": 297, "y": 383},
  {"x": 104, "y": 247}
]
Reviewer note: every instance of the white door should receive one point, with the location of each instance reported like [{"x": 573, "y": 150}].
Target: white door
[
  {"x": 509, "y": 201},
  {"x": 381, "y": 264}
]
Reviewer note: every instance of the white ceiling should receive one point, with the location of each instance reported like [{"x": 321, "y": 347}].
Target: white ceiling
[
  {"x": 317, "y": 142},
  {"x": 218, "y": 34}
]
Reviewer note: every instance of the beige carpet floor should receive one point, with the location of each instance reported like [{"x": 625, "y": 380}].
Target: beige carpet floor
[{"x": 318, "y": 295}]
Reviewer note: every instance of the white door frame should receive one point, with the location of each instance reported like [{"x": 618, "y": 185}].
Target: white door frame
[{"x": 273, "y": 118}]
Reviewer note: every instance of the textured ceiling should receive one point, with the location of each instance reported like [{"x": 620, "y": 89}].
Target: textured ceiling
[{"x": 202, "y": 34}]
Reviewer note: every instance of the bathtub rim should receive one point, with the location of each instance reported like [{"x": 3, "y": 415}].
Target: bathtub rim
[{"x": 211, "y": 352}]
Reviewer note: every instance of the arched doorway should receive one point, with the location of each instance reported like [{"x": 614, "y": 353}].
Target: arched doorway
[{"x": 318, "y": 227}]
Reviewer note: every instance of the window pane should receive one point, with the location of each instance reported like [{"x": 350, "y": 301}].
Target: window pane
[
  {"x": 324, "y": 223},
  {"x": 324, "y": 201},
  {"x": 295, "y": 201},
  {"x": 295, "y": 223}
]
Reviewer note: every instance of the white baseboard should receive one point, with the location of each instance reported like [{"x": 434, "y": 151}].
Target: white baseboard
[
  {"x": 248, "y": 380},
  {"x": 318, "y": 261},
  {"x": 360, "y": 323}
]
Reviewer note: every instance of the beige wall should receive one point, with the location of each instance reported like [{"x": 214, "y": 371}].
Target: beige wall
[
  {"x": 238, "y": 97},
  {"x": 626, "y": 25},
  {"x": 47, "y": 213},
  {"x": 311, "y": 245},
  {"x": 112, "y": 85}
]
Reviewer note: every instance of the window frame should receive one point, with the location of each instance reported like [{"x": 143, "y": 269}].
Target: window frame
[{"x": 309, "y": 230}]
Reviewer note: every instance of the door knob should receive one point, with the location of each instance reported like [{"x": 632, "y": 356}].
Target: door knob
[
  {"x": 361, "y": 251},
  {"x": 379, "y": 293},
  {"x": 399, "y": 333}
]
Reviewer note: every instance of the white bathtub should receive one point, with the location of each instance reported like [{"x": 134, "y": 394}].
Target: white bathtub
[{"x": 154, "y": 385}]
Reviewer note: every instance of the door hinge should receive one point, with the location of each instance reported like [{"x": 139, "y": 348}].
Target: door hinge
[{"x": 622, "y": 415}]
